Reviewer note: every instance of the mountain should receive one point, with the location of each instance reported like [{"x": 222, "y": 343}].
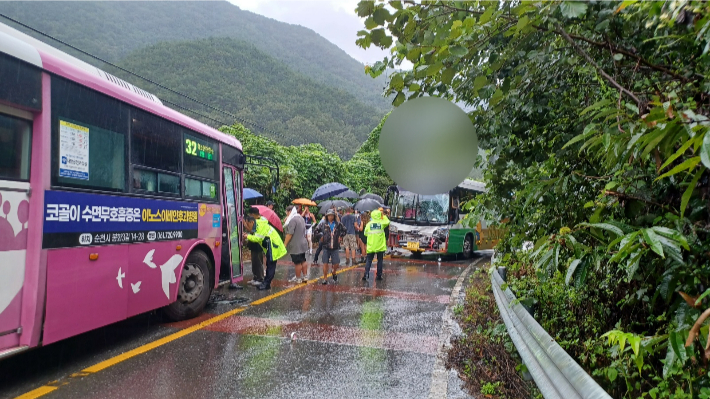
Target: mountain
[
  {"x": 113, "y": 29},
  {"x": 236, "y": 76},
  {"x": 286, "y": 78}
]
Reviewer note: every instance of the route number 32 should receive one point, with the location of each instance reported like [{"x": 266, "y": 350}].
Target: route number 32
[{"x": 191, "y": 147}]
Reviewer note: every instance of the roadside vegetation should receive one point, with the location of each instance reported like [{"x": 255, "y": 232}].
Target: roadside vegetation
[
  {"x": 484, "y": 355},
  {"x": 595, "y": 119}
]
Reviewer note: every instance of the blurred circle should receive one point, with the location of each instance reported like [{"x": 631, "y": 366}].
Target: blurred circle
[{"x": 428, "y": 145}]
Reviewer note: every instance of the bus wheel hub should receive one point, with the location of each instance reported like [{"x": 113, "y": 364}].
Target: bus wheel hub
[{"x": 191, "y": 283}]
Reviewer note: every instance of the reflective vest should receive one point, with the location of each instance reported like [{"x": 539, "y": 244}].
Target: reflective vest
[
  {"x": 264, "y": 230},
  {"x": 375, "y": 232}
]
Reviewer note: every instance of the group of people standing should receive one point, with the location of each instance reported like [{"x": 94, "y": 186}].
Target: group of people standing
[{"x": 365, "y": 232}]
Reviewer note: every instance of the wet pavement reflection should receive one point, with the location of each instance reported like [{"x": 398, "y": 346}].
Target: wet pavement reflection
[{"x": 350, "y": 339}]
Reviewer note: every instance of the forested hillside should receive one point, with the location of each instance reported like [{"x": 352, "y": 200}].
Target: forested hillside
[
  {"x": 112, "y": 30},
  {"x": 237, "y": 77}
]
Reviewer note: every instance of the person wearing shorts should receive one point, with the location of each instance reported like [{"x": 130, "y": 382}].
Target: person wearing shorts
[
  {"x": 350, "y": 240},
  {"x": 296, "y": 245},
  {"x": 331, "y": 233}
]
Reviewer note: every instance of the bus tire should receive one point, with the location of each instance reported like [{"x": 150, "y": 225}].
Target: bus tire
[
  {"x": 194, "y": 290},
  {"x": 468, "y": 246}
]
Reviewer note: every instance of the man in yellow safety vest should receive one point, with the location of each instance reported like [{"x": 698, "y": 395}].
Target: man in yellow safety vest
[
  {"x": 376, "y": 242},
  {"x": 270, "y": 241}
]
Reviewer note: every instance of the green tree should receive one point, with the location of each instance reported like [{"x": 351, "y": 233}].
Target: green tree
[{"x": 595, "y": 117}]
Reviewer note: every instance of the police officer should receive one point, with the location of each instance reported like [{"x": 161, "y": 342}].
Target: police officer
[
  {"x": 270, "y": 241},
  {"x": 376, "y": 242}
]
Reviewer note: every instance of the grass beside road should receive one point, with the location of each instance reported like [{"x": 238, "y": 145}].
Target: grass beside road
[{"x": 484, "y": 355}]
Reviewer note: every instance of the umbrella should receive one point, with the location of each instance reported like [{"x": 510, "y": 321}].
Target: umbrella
[
  {"x": 367, "y": 205},
  {"x": 328, "y": 190},
  {"x": 325, "y": 205},
  {"x": 348, "y": 194},
  {"x": 303, "y": 201},
  {"x": 251, "y": 194},
  {"x": 374, "y": 197},
  {"x": 271, "y": 216}
]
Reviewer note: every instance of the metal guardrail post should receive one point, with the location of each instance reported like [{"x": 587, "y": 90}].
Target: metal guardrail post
[{"x": 556, "y": 374}]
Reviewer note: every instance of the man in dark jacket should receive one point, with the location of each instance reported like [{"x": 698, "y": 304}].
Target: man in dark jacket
[{"x": 331, "y": 234}]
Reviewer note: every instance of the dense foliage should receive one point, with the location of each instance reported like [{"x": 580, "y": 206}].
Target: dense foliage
[
  {"x": 596, "y": 118},
  {"x": 235, "y": 76},
  {"x": 304, "y": 168},
  {"x": 112, "y": 30}
]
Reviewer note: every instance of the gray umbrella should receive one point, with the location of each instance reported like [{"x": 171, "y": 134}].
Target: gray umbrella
[
  {"x": 348, "y": 194},
  {"x": 374, "y": 197},
  {"x": 367, "y": 205},
  {"x": 325, "y": 205}
]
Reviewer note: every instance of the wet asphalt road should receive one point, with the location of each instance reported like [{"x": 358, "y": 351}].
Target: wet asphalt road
[{"x": 353, "y": 339}]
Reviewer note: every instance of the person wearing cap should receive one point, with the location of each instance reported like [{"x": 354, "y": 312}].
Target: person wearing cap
[
  {"x": 376, "y": 244},
  {"x": 270, "y": 241},
  {"x": 331, "y": 233}
]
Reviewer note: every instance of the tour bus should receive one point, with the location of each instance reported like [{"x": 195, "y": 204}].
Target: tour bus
[
  {"x": 431, "y": 223},
  {"x": 111, "y": 204}
]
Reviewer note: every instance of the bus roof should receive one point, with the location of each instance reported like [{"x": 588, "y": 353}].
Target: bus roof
[
  {"x": 473, "y": 185},
  {"x": 44, "y": 56},
  {"x": 470, "y": 185}
]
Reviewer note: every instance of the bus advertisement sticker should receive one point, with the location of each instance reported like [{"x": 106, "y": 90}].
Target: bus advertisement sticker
[{"x": 82, "y": 219}]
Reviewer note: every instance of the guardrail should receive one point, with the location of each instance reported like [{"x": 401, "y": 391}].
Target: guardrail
[{"x": 556, "y": 374}]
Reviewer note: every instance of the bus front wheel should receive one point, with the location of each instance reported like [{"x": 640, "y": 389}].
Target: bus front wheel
[
  {"x": 468, "y": 246},
  {"x": 194, "y": 290}
]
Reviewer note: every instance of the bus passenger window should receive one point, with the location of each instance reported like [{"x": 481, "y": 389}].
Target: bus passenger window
[
  {"x": 155, "y": 143},
  {"x": 15, "y": 144},
  {"x": 200, "y": 189},
  {"x": 88, "y": 138},
  {"x": 168, "y": 183},
  {"x": 144, "y": 180}
]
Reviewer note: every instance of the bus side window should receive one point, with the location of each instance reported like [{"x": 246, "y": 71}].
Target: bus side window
[{"x": 89, "y": 140}]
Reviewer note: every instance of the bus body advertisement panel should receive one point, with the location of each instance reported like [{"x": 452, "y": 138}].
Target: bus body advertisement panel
[{"x": 73, "y": 219}]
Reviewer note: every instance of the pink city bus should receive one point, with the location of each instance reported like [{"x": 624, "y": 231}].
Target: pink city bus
[{"x": 111, "y": 204}]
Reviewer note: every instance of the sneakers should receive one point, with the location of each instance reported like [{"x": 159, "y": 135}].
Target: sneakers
[
  {"x": 255, "y": 282},
  {"x": 334, "y": 276},
  {"x": 304, "y": 280},
  {"x": 378, "y": 278},
  {"x": 294, "y": 280},
  {"x": 324, "y": 281},
  {"x": 262, "y": 287},
  {"x": 364, "y": 277}
]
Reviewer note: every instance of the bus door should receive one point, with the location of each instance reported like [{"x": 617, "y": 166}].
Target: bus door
[
  {"x": 231, "y": 237},
  {"x": 15, "y": 144}
]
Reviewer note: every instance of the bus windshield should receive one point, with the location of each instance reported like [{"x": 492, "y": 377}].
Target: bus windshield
[
  {"x": 404, "y": 205},
  {"x": 433, "y": 208}
]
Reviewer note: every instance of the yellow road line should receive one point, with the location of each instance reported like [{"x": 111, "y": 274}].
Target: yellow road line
[
  {"x": 41, "y": 391},
  {"x": 45, "y": 389}
]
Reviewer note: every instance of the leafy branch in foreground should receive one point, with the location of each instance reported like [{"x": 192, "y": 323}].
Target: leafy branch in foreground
[{"x": 593, "y": 115}]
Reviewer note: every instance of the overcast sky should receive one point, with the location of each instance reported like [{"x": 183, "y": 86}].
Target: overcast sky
[{"x": 335, "y": 20}]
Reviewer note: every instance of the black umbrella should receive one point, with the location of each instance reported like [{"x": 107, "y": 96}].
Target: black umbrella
[
  {"x": 348, "y": 194},
  {"x": 328, "y": 190},
  {"x": 367, "y": 205},
  {"x": 325, "y": 205},
  {"x": 374, "y": 197}
]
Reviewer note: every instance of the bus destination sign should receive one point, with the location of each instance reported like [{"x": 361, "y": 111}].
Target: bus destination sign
[
  {"x": 198, "y": 148},
  {"x": 74, "y": 219}
]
